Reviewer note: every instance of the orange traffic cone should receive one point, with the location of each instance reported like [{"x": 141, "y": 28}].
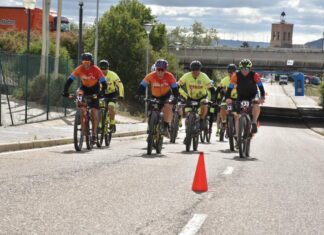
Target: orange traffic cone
[{"x": 200, "y": 181}]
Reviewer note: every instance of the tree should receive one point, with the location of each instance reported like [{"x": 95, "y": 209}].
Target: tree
[
  {"x": 123, "y": 41},
  {"x": 196, "y": 35},
  {"x": 245, "y": 44}
]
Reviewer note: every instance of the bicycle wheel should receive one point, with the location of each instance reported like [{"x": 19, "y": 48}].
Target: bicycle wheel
[
  {"x": 221, "y": 133},
  {"x": 89, "y": 132},
  {"x": 195, "y": 143},
  {"x": 230, "y": 132},
  {"x": 190, "y": 124},
  {"x": 152, "y": 129},
  {"x": 209, "y": 124},
  {"x": 101, "y": 127},
  {"x": 77, "y": 133},
  {"x": 107, "y": 132},
  {"x": 248, "y": 137},
  {"x": 242, "y": 135},
  {"x": 159, "y": 144},
  {"x": 174, "y": 127}
]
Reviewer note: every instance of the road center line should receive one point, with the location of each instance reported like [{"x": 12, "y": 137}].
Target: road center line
[
  {"x": 194, "y": 224},
  {"x": 229, "y": 170}
]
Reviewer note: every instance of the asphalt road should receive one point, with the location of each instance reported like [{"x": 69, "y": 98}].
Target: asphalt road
[{"x": 120, "y": 190}]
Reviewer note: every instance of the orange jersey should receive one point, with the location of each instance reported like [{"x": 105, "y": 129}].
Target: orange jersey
[
  {"x": 160, "y": 86},
  {"x": 89, "y": 77}
]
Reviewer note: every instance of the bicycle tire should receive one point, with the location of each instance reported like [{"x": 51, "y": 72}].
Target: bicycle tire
[
  {"x": 242, "y": 135},
  {"x": 159, "y": 144},
  {"x": 174, "y": 127},
  {"x": 209, "y": 124},
  {"x": 189, "y": 126},
  {"x": 101, "y": 127},
  {"x": 89, "y": 130},
  {"x": 107, "y": 132},
  {"x": 230, "y": 132},
  {"x": 77, "y": 132},
  {"x": 152, "y": 129},
  {"x": 248, "y": 137},
  {"x": 195, "y": 143},
  {"x": 221, "y": 133}
]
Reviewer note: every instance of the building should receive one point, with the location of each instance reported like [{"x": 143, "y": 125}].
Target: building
[{"x": 282, "y": 33}]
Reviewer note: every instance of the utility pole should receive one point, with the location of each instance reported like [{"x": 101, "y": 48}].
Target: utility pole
[
  {"x": 58, "y": 39},
  {"x": 97, "y": 35},
  {"x": 80, "y": 30},
  {"x": 45, "y": 36}
]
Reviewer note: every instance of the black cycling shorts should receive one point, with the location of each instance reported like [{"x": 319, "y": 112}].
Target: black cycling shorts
[
  {"x": 94, "y": 103},
  {"x": 163, "y": 98}
]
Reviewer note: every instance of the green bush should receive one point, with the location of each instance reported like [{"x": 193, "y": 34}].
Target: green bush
[{"x": 37, "y": 88}]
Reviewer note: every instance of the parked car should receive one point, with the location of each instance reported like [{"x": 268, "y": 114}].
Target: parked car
[
  {"x": 315, "y": 81},
  {"x": 283, "y": 80}
]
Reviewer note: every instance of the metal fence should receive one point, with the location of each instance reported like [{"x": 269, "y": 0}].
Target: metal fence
[{"x": 26, "y": 96}]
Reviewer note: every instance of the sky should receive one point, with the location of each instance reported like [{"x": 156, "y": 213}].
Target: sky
[{"x": 248, "y": 20}]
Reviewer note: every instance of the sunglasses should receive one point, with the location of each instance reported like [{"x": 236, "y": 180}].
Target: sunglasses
[
  {"x": 245, "y": 69},
  {"x": 160, "y": 70}
]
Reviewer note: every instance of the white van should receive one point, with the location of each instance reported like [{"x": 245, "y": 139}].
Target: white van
[{"x": 283, "y": 80}]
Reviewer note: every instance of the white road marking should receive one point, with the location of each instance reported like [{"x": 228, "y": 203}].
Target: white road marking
[
  {"x": 229, "y": 170},
  {"x": 194, "y": 224}
]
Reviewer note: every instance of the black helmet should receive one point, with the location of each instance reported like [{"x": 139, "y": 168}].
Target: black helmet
[
  {"x": 231, "y": 68},
  {"x": 245, "y": 63},
  {"x": 195, "y": 65},
  {"x": 87, "y": 56},
  {"x": 103, "y": 64}
]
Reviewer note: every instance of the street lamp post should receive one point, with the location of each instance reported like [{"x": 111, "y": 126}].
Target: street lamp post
[
  {"x": 80, "y": 29},
  {"x": 148, "y": 27},
  {"x": 177, "y": 46},
  {"x": 97, "y": 34},
  {"x": 29, "y": 5},
  {"x": 323, "y": 42}
]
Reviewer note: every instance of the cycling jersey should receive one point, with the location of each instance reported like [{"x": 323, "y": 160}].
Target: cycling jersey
[
  {"x": 225, "y": 82},
  {"x": 196, "y": 87},
  {"x": 114, "y": 83},
  {"x": 89, "y": 77},
  {"x": 159, "y": 86},
  {"x": 246, "y": 86}
]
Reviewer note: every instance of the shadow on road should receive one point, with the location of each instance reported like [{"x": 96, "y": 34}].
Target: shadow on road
[
  {"x": 152, "y": 156},
  {"x": 238, "y": 158}
]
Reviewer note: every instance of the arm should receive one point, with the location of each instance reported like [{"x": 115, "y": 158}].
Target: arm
[
  {"x": 259, "y": 83},
  {"x": 142, "y": 88},
  {"x": 68, "y": 84}
]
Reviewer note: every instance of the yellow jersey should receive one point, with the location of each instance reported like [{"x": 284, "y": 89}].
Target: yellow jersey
[
  {"x": 114, "y": 83},
  {"x": 225, "y": 83},
  {"x": 196, "y": 87}
]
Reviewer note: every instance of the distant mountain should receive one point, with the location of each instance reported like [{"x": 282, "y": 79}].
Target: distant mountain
[
  {"x": 315, "y": 44},
  {"x": 236, "y": 43}
]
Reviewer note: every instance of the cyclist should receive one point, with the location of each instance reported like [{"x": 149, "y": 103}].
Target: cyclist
[
  {"x": 162, "y": 84},
  {"x": 247, "y": 83},
  {"x": 231, "y": 69},
  {"x": 115, "y": 89},
  {"x": 91, "y": 77},
  {"x": 194, "y": 85}
]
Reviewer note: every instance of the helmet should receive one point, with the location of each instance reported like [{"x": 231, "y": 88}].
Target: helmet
[
  {"x": 231, "y": 68},
  {"x": 87, "y": 56},
  {"x": 245, "y": 63},
  {"x": 161, "y": 64},
  {"x": 103, "y": 64},
  {"x": 195, "y": 65},
  {"x": 153, "y": 68}
]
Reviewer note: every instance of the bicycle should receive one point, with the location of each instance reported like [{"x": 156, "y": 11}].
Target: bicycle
[
  {"x": 155, "y": 126},
  {"x": 206, "y": 133},
  {"x": 244, "y": 129},
  {"x": 230, "y": 124},
  {"x": 104, "y": 130},
  {"x": 78, "y": 133},
  {"x": 192, "y": 125},
  {"x": 175, "y": 121}
]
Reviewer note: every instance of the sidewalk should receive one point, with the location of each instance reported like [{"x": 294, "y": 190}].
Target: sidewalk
[{"x": 56, "y": 132}]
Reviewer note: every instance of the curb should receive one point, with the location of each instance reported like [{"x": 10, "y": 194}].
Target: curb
[{"x": 54, "y": 142}]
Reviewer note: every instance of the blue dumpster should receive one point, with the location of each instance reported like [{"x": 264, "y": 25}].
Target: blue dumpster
[{"x": 299, "y": 84}]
